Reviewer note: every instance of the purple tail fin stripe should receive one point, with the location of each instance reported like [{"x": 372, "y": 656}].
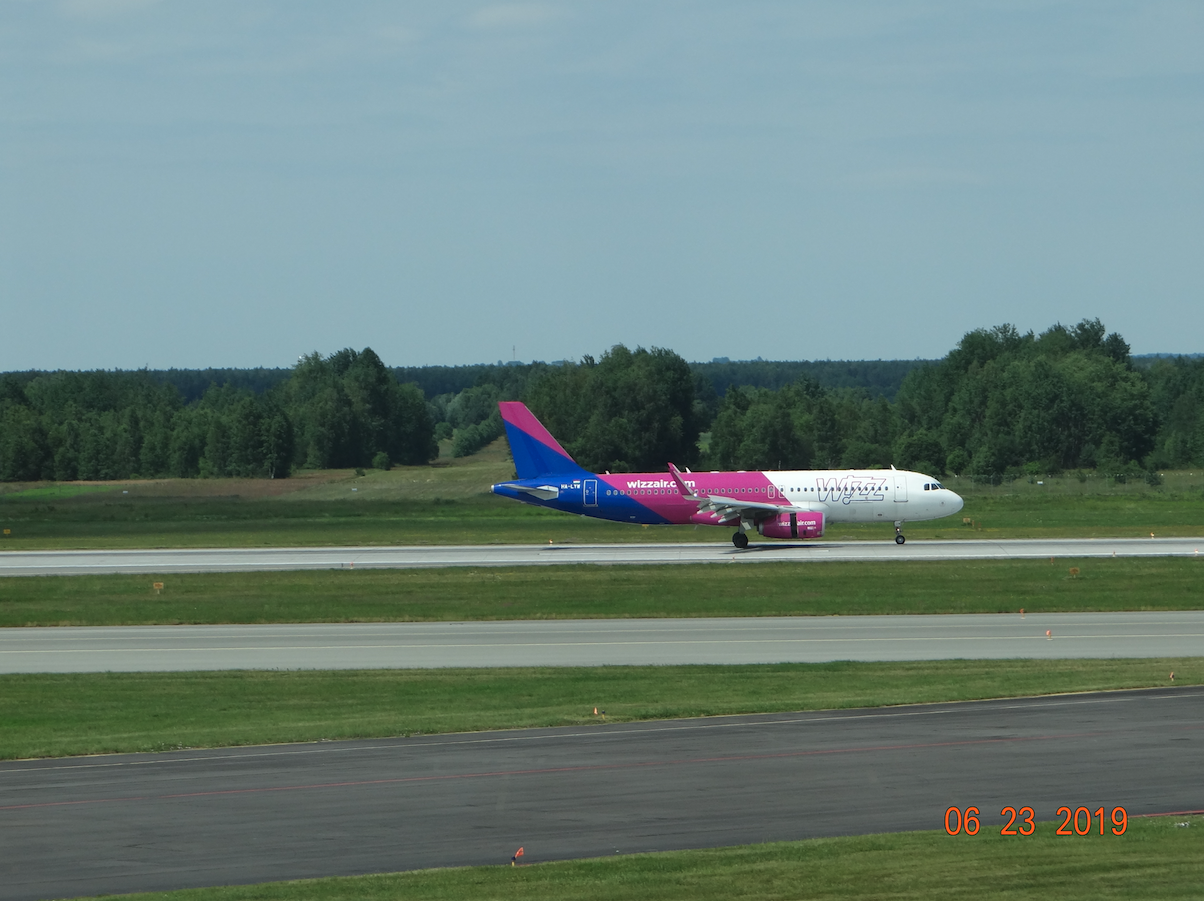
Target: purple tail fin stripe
[{"x": 535, "y": 451}]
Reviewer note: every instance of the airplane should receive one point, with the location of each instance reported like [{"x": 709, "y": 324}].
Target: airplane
[{"x": 787, "y": 504}]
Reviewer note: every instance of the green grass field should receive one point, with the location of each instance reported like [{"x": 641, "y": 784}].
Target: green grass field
[
  {"x": 1155, "y": 858},
  {"x": 449, "y": 503},
  {"x": 51, "y": 715},
  {"x": 762, "y": 589}
]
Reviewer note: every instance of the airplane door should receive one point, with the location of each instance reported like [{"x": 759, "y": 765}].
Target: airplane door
[
  {"x": 900, "y": 487},
  {"x": 591, "y": 492}
]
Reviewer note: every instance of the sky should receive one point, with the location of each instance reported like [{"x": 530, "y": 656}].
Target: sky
[{"x": 234, "y": 184}]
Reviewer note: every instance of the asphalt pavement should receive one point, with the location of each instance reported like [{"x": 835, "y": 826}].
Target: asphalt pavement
[
  {"x": 200, "y": 818},
  {"x": 43, "y": 563}
]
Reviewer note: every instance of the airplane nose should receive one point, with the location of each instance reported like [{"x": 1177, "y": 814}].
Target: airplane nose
[{"x": 958, "y": 503}]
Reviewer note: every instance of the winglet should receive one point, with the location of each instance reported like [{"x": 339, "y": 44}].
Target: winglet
[{"x": 686, "y": 491}]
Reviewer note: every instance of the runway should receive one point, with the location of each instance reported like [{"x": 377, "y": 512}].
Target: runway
[
  {"x": 44, "y": 563},
  {"x": 601, "y": 642},
  {"x": 201, "y": 818}
]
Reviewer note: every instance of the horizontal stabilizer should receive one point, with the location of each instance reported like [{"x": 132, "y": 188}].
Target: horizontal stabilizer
[{"x": 543, "y": 492}]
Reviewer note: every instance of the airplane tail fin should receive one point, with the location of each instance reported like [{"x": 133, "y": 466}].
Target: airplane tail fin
[{"x": 535, "y": 451}]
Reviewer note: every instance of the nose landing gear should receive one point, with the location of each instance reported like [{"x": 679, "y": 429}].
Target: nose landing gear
[{"x": 899, "y": 539}]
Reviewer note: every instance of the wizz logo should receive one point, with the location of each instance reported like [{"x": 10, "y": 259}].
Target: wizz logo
[{"x": 851, "y": 489}]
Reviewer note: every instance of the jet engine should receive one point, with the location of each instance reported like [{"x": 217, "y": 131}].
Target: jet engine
[{"x": 793, "y": 525}]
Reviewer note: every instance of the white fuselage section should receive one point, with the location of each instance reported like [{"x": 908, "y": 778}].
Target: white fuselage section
[{"x": 845, "y": 495}]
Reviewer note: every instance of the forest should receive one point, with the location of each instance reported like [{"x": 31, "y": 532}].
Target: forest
[{"x": 1002, "y": 404}]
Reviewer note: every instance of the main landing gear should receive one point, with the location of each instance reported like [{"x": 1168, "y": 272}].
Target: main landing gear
[
  {"x": 899, "y": 539},
  {"x": 740, "y": 540}
]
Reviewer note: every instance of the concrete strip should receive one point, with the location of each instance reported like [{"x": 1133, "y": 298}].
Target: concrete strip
[{"x": 600, "y": 642}]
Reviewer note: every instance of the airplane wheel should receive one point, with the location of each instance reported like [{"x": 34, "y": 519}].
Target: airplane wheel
[
  {"x": 740, "y": 540},
  {"x": 899, "y": 539}
]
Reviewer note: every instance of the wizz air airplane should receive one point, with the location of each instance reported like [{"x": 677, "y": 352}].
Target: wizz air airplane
[{"x": 784, "y": 504}]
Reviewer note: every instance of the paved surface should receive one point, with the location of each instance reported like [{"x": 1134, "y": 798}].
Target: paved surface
[
  {"x": 33, "y": 563},
  {"x": 800, "y": 639},
  {"x": 147, "y": 822}
]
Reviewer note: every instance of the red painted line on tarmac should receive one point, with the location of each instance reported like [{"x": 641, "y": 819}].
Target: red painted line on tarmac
[
  {"x": 71, "y": 803},
  {"x": 568, "y": 769}
]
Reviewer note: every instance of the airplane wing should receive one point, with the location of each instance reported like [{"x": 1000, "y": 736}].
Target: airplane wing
[{"x": 732, "y": 509}]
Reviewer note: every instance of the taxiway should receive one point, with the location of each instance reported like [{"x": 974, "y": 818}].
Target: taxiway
[
  {"x": 145, "y": 822},
  {"x": 601, "y": 642}
]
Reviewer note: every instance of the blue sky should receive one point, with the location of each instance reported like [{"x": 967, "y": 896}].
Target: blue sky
[{"x": 238, "y": 183}]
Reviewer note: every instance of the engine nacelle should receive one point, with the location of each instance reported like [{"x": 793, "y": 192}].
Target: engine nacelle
[{"x": 793, "y": 525}]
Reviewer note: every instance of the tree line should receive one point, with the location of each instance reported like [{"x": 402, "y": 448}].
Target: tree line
[
  {"x": 1002, "y": 403},
  {"x": 344, "y": 410}
]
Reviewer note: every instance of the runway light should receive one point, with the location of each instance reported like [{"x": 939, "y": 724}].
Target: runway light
[{"x": 1048, "y": 634}]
